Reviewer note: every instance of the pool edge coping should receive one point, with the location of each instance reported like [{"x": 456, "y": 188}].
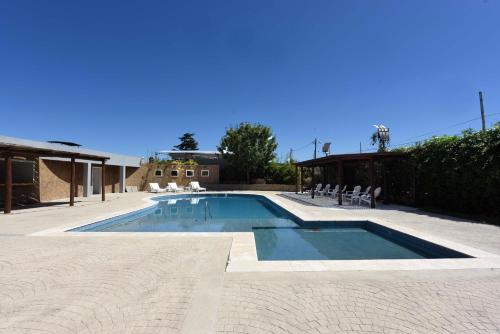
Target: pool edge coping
[{"x": 243, "y": 252}]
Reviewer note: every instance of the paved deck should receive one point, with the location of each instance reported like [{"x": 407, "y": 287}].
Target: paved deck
[{"x": 164, "y": 284}]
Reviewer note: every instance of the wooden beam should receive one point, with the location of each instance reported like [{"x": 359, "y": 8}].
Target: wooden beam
[
  {"x": 372, "y": 184},
  {"x": 8, "y": 185},
  {"x": 296, "y": 179},
  {"x": 72, "y": 183},
  {"x": 301, "y": 180},
  {"x": 340, "y": 176},
  {"x": 103, "y": 183},
  {"x": 313, "y": 183}
]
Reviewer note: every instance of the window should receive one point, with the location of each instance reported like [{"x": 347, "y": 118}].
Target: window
[
  {"x": 189, "y": 173},
  {"x": 159, "y": 172},
  {"x": 174, "y": 173},
  {"x": 205, "y": 173}
]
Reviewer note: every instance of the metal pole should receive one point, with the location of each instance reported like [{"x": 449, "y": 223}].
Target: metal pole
[
  {"x": 8, "y": 185},
  {"x": 301, "y": 179},
  {"x": 483, "y": 121}
]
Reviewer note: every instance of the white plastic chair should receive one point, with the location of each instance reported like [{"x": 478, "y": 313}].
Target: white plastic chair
[
  {"x": 325, "y": 190},
  {"x": 368, "y": 198},
  {"x": 363, "y": 193},
  {"x": 350, "y": 194}
]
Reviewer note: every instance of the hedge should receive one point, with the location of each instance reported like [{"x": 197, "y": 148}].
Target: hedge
[{"x": 459, "y": 173}]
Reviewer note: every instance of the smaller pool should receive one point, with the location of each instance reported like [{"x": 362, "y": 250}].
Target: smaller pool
[{"x": 341, "y": 241}]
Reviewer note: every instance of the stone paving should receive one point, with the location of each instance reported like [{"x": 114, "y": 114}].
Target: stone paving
[{"x": 150, "y": 284}]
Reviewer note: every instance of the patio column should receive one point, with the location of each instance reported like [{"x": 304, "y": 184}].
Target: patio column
[
  {"x": 123, "y": 179},
  {"x": 72, "y": 183},
  {"x": 87, "y": 179},
  {"x": 8, "y": 185},
  {"x": 296, "y": 179},
  {"x": 103, "y": 181},
  {"x": 340, "y": 175},
  {"x": 372, "y": 184}
]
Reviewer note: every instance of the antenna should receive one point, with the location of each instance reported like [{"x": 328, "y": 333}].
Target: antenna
[{"x": 326, "y": 148}]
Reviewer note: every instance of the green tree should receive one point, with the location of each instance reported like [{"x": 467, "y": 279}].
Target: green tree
[
  {"x": 187, "y": 142},
  {"x": 249, "y": 149}
]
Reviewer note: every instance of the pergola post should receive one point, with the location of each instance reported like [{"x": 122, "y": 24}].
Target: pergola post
[
  {"x": 72, "y": 183},
  {"x": 103, "y": 182},
  {"x": 301, "y": 179},
  {"x": 313, "y": 181},
  {"x": 372, "y": 184},
  {"x": 8, "y": 185},
  {"x": 340, "y": 175},
  {"x": 296, "y": 179}
]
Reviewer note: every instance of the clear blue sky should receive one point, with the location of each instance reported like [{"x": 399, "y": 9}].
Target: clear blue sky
[{"x": 132, "y": 76}]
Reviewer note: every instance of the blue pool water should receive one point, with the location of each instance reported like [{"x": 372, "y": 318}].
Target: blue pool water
[
  {"x": 278, "y": 234},
  {"x": 200, "y": 213}
]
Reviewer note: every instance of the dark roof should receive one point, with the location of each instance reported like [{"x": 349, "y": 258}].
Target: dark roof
[{"x": 332, "y": 159}]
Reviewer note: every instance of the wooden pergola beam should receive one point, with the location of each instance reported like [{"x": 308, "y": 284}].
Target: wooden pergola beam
[
  {"x": 8, "y": 185},
  {"x": 72, "y": 183},
  {"x": 10, "y": 151},
  {"x": 103, "y": 183}
]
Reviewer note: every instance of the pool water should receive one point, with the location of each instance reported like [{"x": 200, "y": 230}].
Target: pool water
[
  {"x": 200, "y": 213},
  {"x": 279, "y": 235}
]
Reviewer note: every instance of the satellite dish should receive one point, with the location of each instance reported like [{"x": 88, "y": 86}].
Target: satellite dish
[{"x": 326, "y": 148}]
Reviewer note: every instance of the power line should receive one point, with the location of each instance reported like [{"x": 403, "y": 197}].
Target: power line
[{"x": 411, "y": 141}]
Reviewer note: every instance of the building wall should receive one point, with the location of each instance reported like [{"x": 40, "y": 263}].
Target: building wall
[
  {"x": 54, "y": 179},
  {"x": 253, "y": 186},
  {"x": 137, "y": 176},
  {"x": 182, "y": 179}
]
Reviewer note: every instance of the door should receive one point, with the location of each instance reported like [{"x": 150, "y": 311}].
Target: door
[{"x": 96, "y": 180}]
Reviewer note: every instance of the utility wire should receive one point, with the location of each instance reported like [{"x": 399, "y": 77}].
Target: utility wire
[{"x": 410, "y": 141}]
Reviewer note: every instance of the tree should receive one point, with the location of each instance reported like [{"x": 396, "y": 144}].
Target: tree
[
  {"x": 248, "y": 149},
  {"x": 187, "y": 142},
  {"x": 382, "y": 137}
]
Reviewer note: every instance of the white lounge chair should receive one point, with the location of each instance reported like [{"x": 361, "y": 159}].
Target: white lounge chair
[
  {"x": 195, "y": 186},
  {"x": 350, "y": 194},
  {"x": 155, "y": 188},
  {"x": 318, "y": 188},
  {"x": 172, "y": 187},
  {"x": 325, "y": 190},
  {"x": 368, "y": 198}
]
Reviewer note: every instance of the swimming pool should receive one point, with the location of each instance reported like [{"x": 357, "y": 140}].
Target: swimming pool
[
  {"x": 200, "y": 213},
  {"x": 279, "y": 235}
]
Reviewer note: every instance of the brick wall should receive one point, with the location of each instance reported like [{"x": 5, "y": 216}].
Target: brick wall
[{"x": 182, "y": 179}]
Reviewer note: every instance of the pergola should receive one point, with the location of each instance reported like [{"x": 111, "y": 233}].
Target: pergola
[
  {"x": 338, "y": 161},
  {"x": 9, "y": 150}
]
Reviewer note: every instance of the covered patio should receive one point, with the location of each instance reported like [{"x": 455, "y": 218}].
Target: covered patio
[
  {"x": 11, "y": 150},
  {"x": 338, "y": 162}
]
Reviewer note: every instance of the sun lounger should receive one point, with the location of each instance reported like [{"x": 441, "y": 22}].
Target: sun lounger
[
  {"x": 155, "y": 188},
  {"x": 195, "y": 186}
]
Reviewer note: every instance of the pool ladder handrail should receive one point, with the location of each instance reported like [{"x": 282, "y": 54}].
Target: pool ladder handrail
[{"x": 207, "y": 209}]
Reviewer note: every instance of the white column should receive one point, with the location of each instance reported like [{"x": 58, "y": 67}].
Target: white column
[
  {"x": 87, "y": 179},
  {"x": 123, "y": 176}
]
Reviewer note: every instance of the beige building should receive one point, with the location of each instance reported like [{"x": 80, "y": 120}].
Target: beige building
[{"x": 38, "y": 178}]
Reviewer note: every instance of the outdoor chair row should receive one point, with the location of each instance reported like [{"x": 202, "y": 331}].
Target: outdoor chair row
[
  {"x": 173, "y": 187},
  {"x": 352, "y": 196}
]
